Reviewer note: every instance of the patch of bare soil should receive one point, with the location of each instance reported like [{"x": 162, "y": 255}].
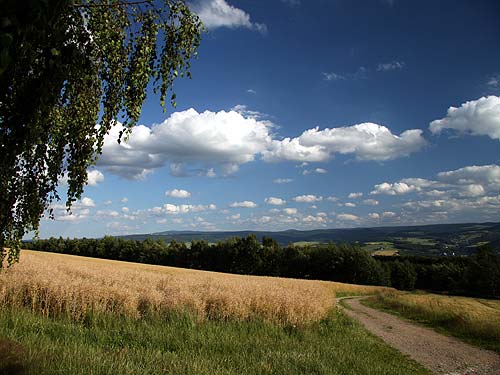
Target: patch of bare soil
[
  {"x": 11, "y": 358},
  {"x": 439, "y": 353}
]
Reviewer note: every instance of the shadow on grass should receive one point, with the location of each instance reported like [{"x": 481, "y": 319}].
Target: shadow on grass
[{"x": 12, "y": 357}]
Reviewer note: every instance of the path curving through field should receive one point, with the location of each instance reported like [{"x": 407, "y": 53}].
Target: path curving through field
[{"x": 439, "y": 353}]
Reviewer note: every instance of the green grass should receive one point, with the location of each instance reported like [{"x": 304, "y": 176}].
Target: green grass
[
  {"x": 180, "y": 345},
  {"x": 476, "y": 321},
  {"x": 382, "y": 248}
]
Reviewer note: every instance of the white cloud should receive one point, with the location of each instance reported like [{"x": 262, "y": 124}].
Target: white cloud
[
  {"x": 125, "y": 210},
  {"x": 282, "y": 180},
  {"x": 107, "y": 213},
  {"x": 393, "y": 65},
  {"x": 371, "y": 202},
  {"x": 305, "y": 172},
  {"x": 290, "y": 211},
  {"x": 124, "y": 200},
  {"x": 250, "y": 91},
  {"x": 87, "y": 202},
  {"x": 332, "y": 199},
  {"x": 217, "y": 143},
  {"x": 218, "y": 13},
  {"x": 178, "y": 193},
  {"x": 388, "y": 214},
  {"x": 173, "y": 209},
  {"x": 108, "y": 202},
  {"x": 244, "y": 204},
  {"x": 209, "y": 141},
  {"x": 309, "y": 198},
  {"x": 318, "y": 219},
  {"x": 293, "y": 150},
  {"x": 355, "y": 195},
  {"x": 374, "y": 216},
  {"x": 275, "y": 201},
  {"x": 476, "y": 117},
  {"x": 94, "y": 177},
  {"x": 347, "y": 217},
  {"x": 350, "y": 204},
  {"x": 397, "y": 188},
  {"x": 487, "y": 175},
  {"x": 368, "y": 141}
]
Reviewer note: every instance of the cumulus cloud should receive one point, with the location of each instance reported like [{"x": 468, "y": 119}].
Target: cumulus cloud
[
  {"x": 87, "y": 202},
  {"x": 475, "y": 117},
  {"x": 371, "y": 202},
  {"x": 212, "y": 140},
  {"x": 173, "y": 209},
  {"x": 311, "y": 219},
  {"x": 308, "y": 198},
  {"x": 350, "y": 204},
  {"x": 290, "y": 211},
  {"x": 488, "y": 175},
  {"x": 218, "y": 143},
  {"x": 374, "y": 216},
  {"x": 355, "y": 195},
  {"x": 367, "y": 141},
  {"x": 470, "y": 181},
  {"x": 178, "y": 193},
  {"x": 468, "y": 193},
  {"x": 218, "y": 13},
  {"x": 94, "y": 177},
  {"x": 244, "y": 204},
  {"x": 397, "y": 188},
  {"x": 388, "y": 214},
  {"x": 275, "y": 201},
  {"x": 347, "y": 217}
]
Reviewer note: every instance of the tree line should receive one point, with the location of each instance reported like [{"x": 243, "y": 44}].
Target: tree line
[{"x": 348, "y": 263}]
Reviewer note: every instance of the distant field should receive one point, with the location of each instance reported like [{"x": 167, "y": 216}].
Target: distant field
[
  {"x": 472, "y": 319},
  {"x": 306, "y": 243},
  {"x": 77, "y": 316},
  {"x": 382, "y": 248},
  {"x": 419, "y": 241}
]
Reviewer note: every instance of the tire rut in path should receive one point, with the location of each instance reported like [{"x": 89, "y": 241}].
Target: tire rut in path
[{"x": 439, "y": 353}]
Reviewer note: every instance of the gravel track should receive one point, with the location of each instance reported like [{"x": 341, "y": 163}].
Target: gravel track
[{"x": 439, "y": 353}]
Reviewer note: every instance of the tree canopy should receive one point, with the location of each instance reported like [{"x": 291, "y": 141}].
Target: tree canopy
[{"x": 69, "y": 69}]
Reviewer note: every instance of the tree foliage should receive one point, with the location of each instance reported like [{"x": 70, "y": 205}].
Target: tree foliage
[{"x": 66, "y": 66}]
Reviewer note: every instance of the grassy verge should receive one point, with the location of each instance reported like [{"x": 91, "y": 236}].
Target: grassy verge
[
  {"x": 474, "y": 320},
  {"x": 180, "y": 344}
]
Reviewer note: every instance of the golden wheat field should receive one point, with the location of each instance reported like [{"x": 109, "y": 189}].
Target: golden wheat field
[
  {"x": 479, "y": 315},
  {"x": 76, "y": 287}
]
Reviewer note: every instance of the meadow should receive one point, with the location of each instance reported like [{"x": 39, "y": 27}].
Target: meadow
[
  {"x": 74, "y": 315},
  {"x": 475, "y": 320}
]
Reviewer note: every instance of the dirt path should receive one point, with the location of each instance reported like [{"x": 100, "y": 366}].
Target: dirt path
[{"x": 440, "y": 354}]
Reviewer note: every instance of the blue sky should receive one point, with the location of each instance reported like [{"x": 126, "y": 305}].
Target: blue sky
[{"x": 313, "y": 114}]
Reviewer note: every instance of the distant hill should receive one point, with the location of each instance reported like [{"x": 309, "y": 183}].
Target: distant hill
[{"x": 439, "y": 239}]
